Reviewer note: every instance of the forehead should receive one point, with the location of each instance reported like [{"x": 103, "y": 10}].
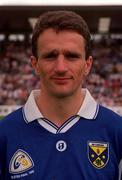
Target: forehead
[{"x": 63, "y": 39}]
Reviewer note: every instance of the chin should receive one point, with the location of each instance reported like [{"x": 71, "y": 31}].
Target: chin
[{"x": 62, "y": 94}]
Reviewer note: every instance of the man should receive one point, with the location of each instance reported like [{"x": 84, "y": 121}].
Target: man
[{"x": 61, "y": 132}]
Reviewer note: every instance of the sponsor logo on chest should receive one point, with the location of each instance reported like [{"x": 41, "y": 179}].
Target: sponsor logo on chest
[{"x": 21, "y": 164}]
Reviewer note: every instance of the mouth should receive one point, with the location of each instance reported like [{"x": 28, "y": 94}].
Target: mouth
[{"x": 61, "y": 80}]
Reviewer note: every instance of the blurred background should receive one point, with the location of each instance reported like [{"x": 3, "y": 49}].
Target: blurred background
[{"x": 17, "y": 78}]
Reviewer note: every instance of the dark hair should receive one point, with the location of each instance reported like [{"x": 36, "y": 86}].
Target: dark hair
[{"x": 59, "y": 21}]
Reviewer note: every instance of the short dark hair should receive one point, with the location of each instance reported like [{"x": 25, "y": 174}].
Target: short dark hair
[{"x": 59, "y": 21}]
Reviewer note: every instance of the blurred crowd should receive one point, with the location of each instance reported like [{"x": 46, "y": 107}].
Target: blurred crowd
[{"x": 17, "y": 77}]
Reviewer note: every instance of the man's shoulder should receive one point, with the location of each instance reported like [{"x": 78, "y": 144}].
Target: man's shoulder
[
  {"x": 11, "y": 120},
  {"x": 109, "y": 115}
]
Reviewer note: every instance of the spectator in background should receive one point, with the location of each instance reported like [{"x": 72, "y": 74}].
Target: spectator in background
[{"x": 61, "y": 132}]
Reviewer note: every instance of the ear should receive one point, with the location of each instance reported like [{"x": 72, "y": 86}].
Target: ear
[
  {"x": 89, "y": 62},
  {"x": 35, "y": 65}
]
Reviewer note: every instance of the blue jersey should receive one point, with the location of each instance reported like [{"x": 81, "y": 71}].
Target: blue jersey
[{"x": 80, "y": 149}]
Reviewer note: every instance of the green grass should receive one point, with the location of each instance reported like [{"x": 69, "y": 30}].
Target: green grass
[{"x": 1, "y": 117}]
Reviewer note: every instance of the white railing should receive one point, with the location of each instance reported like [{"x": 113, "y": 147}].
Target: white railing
[
  {"x": 4, "y": 110},
  {"x": 117, "y": 109}
]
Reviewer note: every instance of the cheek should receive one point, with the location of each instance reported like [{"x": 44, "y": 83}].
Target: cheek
[
  {"x": 45, "y": 68},
  {"x": 42, "y": 70},
  {"x": 42, "y": 73},
  {"x": 45, "y": 72},
  {"x": 84, "y": 69},
  {"x": 81, "y": 70}
]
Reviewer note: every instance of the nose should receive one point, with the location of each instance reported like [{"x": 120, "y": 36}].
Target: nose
[{"x": 61, "y": 65}]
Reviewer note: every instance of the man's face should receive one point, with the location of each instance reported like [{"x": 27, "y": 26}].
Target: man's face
[{"x": 61, "y": 62}]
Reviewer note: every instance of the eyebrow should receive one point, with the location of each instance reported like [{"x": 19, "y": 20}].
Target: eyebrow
[
  {"x": 55, "y": 52},
  {"x": 49, "y": 53}
]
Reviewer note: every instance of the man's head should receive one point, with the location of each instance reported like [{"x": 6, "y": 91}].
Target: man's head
[
  {"x": 59, "y": 21},
  {"x": 61, "y": 53}
]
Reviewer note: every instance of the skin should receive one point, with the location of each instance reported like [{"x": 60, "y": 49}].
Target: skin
[{"x": 62, "y": 68}]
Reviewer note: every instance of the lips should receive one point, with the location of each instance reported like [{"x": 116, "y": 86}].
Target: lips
[{"x": 61, "y": 80}]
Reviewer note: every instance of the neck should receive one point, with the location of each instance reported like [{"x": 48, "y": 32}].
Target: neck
[{"x": 58, "y": 110}]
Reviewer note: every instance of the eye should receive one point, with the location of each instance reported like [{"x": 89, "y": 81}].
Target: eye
[
  {"x": 50, "y": 56},
  {"x": 72, "y": 56}
]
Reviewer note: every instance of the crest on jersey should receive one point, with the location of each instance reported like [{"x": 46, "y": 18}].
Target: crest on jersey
[
  {"x": 98, "y": 153},
  {"x": 20, "y": 162}
]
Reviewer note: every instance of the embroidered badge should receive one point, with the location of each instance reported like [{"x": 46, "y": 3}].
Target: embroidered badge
[
  {"x": 20, "y": 162},
  {"x": 98, "y": 153}
]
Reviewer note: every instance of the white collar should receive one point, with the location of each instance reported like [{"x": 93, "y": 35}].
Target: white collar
[
  {"x": 89, "y": 107},
  {"x": 31, "y": 112}
]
